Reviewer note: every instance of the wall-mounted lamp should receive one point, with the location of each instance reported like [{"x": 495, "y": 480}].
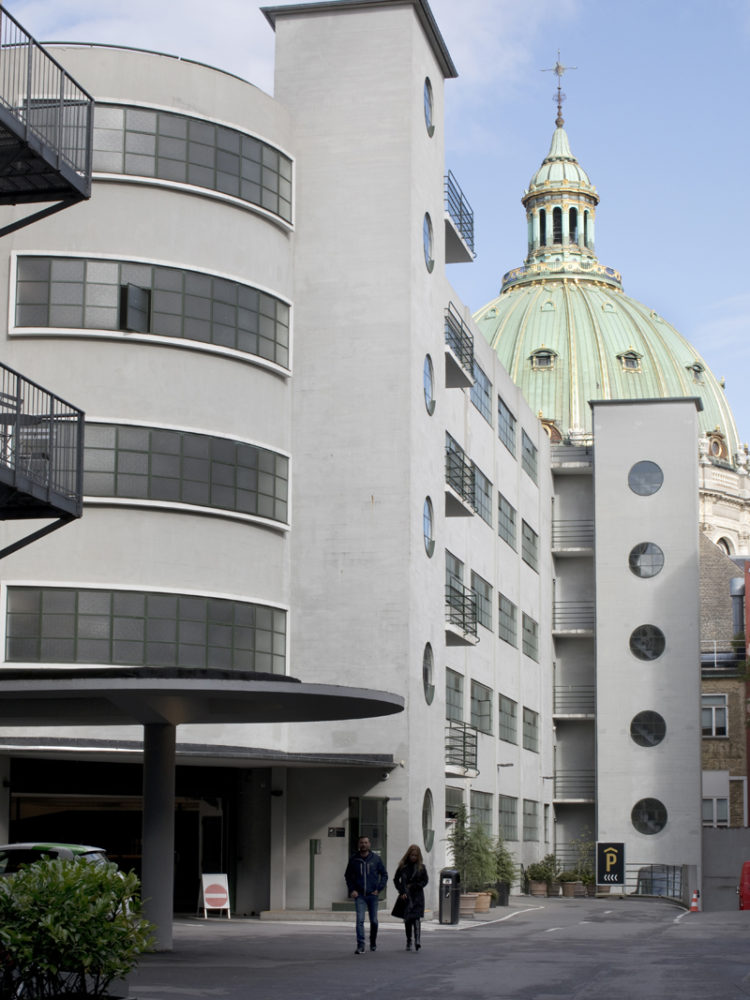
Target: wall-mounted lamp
[{"x": 506, "y": 765}]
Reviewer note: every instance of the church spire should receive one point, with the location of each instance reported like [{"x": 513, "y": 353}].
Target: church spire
[{"x": 558, "y": 69}]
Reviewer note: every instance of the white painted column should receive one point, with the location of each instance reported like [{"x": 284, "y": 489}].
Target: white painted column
[{"x": 158, "y": 829}]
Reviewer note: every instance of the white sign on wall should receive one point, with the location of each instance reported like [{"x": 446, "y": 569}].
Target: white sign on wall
[{"x": 214, "y": 894}]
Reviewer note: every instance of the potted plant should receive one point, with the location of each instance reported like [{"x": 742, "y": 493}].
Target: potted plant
[
  {"x": 542, "y": 876},
  {"x": 474, "y": 857},
  {"x": 70, "y": 929},
  {"x": 584, "y": 867},
  {"x": 569, "y": 881},
  {"x": 505, "y": 871}
]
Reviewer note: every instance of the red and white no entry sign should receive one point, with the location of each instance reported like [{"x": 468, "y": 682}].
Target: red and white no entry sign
[{"x": 215, "y": 891}]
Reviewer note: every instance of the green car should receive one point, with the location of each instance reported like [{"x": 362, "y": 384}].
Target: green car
[{"x": 14, "y": 855}]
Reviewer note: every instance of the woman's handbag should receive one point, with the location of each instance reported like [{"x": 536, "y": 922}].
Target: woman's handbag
[{"x": 399, "y": 907}]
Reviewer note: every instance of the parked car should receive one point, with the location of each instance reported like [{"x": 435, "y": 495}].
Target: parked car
[
  {"x": 743, "y": 889},
  {"x": 13, "y": 855}
]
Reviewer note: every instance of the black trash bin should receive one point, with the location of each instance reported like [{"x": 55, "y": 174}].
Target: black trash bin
[{"x": 450, "y": 896}]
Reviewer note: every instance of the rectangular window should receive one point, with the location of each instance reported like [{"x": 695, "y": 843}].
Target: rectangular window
[
  {"x": 506, "y": 426},
  {"x": 530, "y": 730},
  {"x": 530, "y": 643},
  {"x": 482, "y": 495},
  {"x": 506, "y": 521},
  {"x": 529, "y": 546},
  {"x": 481, "y": 810},
  {"x": 454, "y": 799},
  {"x": 528, "y": 456},
  {"x": 483, "y": 596},
  {"x": 481, "y": 707},
  {"x": 530, "y": 820},
  {"x": 508, "y": 817},
  {"x": 481, "y": 393},
  {"x": 508, "y": 725},
  {"x": 507, "y": 616},
  {"x": 714, "y": 714},
  {"x": 715, "y": 812},
  {"x": 454, "y": 696},
  {"x": 454, "y": 569}
]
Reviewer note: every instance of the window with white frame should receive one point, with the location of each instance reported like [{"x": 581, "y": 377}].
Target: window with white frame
[
  {"x": 508, "y": 719},
  {"x": 506, "y": 426},
  {"x": 715, "y": 812},
  {"x": 454, "y": 696},
  {"x": 481, "y": 707},
  {"x": 481, "y": 393},
  {"x": 507, "y": 617},
  {"x": 529, "y": 546},
  {"x": 530, "y": 642},
  {"x": 481, "y": 809},
  {"x": 714, "y": 715},
  {"x": 530, "y": 730},
  {"x": 482, "y": 495},
  {"x": 506, "y": 521},
  {"x": 507, "y": 813},
  {"x": 530, "y": 820},
  {"x": 483, "y": 595},
  {"x": 528, "y": 456}
]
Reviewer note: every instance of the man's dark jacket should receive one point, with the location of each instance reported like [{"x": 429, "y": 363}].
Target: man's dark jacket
[{"x": 365, "y": 875}]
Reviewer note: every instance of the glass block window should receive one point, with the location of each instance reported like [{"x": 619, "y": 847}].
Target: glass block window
[
  {"x": 506, "y": 426},
  {"x": 506, "y": 521},
  {"x": 507, "y": 812},
  {"x": 529, "y": 546},
  {"x": 528, "y": 456},
  {"x": 507, "y": 615},
  {"x": 481, "y": 707},
  {"x": 530, "y": 820},
  {"x": 508, "y": 725},
  {"x": 92, "y": 294},
  {"x": 147, "y": 463},
  {"x": 530, "y": 730},
  {"x": 714, "y": 715},
  {"x": 132, "y": 628},
  {"x": 481, "y": 810},
  {"x": 454, "y": 696},
  {"x": 483, "y": 596},
  {"x": 173, "y": 147},
  {"x": 482, "y": 495},
  {"x": 530, "y": 642},
  {"x": 481, "y": 393}
]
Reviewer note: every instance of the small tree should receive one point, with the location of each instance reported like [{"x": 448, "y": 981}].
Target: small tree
[
  {"x": 458, "y": 839},
  {"x": 70, "y": 928},
  {"x": 481, "y": 863},
  {"x": 583, "y": 845},
  {"x": 505, "y": 866}
]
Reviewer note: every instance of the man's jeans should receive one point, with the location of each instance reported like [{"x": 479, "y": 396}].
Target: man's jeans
[{"x": 369, "y": 903}]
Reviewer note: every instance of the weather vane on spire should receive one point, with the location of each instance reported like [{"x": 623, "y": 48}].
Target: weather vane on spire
[{"x": 558, "y": 69}]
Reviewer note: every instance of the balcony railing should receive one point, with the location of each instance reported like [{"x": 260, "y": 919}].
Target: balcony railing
[
  {"x": 461, "y": 607},
  {"x": 459, "y": 210},
  {"x": 461, "y": 746},
  {"x": 46, "y": 122},
  {"x": 575, "y": 699},
  {"x": 459, "y": 472},
  {"x": 458, "y": 337},
  {"x": 574, "y": 616},
  {"x": 572, "y": 534},
  {"x": 41, "y": 451},
  {"x": 575, "y": 784}
]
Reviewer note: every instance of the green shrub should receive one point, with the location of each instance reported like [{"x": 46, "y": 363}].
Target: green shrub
[
  {"x": 69, "y": 928},
  {"x": 504, "y": 863}
]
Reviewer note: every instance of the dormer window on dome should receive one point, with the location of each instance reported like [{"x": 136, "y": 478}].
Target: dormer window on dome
[
  {"x": 630, "y": 361},
  {"x": 543, "y": 359},
  {"x": 696, "y": 370},
  {"x": 717, "y": 445}
]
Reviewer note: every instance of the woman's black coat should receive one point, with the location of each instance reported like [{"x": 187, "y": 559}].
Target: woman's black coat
[{"x": 410, "y": 881}]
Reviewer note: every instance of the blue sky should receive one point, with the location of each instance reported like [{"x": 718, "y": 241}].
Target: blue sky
[{"x": 656, "y": 112}]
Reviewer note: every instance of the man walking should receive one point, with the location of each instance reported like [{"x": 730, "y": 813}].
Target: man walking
[{"x": 366, "y": 877}]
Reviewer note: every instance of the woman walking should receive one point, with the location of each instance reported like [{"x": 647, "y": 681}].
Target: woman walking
[{"x": 410, "y": 879}]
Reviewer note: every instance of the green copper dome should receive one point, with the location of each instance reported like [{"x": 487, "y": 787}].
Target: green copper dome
[{"x": 567, "y": 333}]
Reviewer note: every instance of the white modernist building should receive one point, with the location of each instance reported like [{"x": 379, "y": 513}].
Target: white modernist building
[{"x": 300, "y": 462}]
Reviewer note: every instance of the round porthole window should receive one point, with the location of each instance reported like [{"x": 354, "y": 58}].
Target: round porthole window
[
  {"x": 645, "y": 478},
  {"x": 429, "y": 108},
  {"x": 648, "y": 729},
  {"x": 428, "y": 673},
  {"x": 647, "y": 642},
  {"x": 428, "y": 382},
  {"x": 646, "y": 559},
  {"x": 649, "y": 816},
  {"x": 428, "y": 527},
  {"x": 428, "y": 830},
  {"x": 427, "y": 242}
]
